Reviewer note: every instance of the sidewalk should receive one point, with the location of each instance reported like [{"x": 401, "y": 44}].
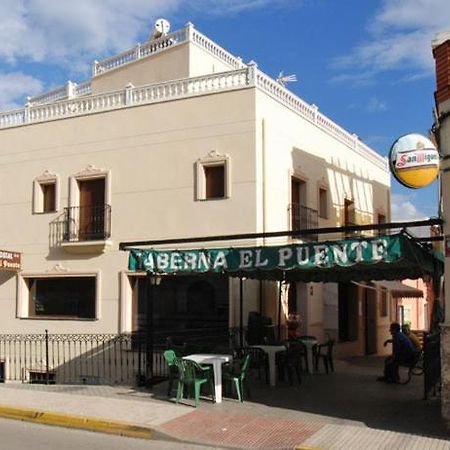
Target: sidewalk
[{"x": 344, "y": 410}]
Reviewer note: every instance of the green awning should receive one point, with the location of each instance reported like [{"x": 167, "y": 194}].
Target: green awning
[{"x": 382, "y": 257}]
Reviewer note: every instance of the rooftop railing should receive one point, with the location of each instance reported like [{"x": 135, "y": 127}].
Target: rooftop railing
[
  {"x": 247, "y": 77},
  {"x": 188, "y": 33},
  {"x": 139, "y": 51},
  {"x": 69, "y": 90}
]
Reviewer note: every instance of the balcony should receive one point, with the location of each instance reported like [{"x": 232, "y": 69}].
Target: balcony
[
  {"x": 304, "y": 218},
  {"x": 86, "y": 228}
]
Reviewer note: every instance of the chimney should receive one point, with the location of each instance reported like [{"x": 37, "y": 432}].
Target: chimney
[{"x": 441, "y": 54}]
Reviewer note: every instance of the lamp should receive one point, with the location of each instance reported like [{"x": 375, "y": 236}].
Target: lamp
[{"x": 155, "y": 280}]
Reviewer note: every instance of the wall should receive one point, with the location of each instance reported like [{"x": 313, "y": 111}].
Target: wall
[
  {"x": 150, "y": 152},
  {"x": 171, "y": 64},
  {"x": 287, "y": 146},
  {"x": 182, "y": 61}
]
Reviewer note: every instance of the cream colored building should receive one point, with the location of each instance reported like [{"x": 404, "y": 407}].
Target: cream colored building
[{"x": 174, "y": 138}]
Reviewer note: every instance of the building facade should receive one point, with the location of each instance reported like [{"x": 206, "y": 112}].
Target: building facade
[
  {"x": 441, "y": 54},
  {"x": 177, "y": 138}
]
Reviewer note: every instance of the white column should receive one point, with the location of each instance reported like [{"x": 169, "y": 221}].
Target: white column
[
  {"x": 129, "y": 94},
  {"x": 251, "y": 73},
  {"x": 70, "y": 89}
]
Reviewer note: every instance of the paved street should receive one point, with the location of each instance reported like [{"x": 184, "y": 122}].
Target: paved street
[
  {"x": 344, "y": 410},
  {"x": 16, "y": 435}
]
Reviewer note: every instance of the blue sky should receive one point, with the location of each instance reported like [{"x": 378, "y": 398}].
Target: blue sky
[{"x": 366, "y": 64}]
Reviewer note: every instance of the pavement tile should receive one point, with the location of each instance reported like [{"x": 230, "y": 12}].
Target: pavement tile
[
  {"x": 345, "y": 410},
  {"x": 338, "y": 437},
  {"x": 241, "y": 431}
]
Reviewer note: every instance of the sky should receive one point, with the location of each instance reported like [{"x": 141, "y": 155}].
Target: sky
[{"x": 366, "y": 64}]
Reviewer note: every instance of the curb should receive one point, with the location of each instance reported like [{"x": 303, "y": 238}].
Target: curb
[{"x": 77, "y": 422}]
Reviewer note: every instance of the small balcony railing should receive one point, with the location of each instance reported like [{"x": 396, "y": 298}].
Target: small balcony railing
[
  {"x": 304, "y": 218},
  {"x": 87, "y": 223}
]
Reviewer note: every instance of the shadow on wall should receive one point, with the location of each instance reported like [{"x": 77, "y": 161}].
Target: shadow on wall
[
  {"x": 341, "y": 193},
  {"x": 6, "y": 275}
]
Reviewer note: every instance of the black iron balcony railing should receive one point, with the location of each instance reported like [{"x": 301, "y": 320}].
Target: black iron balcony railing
[
  {"x": 304, "y": 218},
  {"x": 87, "y": 223}
]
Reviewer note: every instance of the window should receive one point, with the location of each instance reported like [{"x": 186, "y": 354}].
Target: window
[
  {"x": 349, "y": 212},
  {"x": 213, "y": 177},
  {"x": 62, "y": 297},
  {"x": 49, "y": 197},
  {"x": 88, "y": 217},
  {"x": 46, "y": 193},
  {"x": 66, "y": 297},
  {"x": 214, "y": 181},
  {"x": 407, "y": 315},
  {"x": 323, "y": 203}
]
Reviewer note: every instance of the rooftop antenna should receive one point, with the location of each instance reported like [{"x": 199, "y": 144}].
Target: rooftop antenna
[
  {"x": 284, "y": 79},
  {"x": 161, "y": 28}
]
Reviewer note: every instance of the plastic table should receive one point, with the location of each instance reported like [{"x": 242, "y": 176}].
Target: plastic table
[
  {"x": 271, "y": 351},
  {"x": 216, "y": 361}
]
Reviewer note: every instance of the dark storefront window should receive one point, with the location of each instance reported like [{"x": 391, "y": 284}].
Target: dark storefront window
[
  {"x": 66, "y": 297},
  {"x": 183, "y": 303}
]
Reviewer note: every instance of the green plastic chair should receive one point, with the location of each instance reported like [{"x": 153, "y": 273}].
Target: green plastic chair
[
  {"x": 171, "y": 359},
  {"x": 193, "y": 375},
  {"x": 240, "y": 378}
]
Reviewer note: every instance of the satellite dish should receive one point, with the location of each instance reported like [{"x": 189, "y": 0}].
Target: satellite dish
[
  {"x": 161, "y": 28},
  {"x": 284, "y": 79}
]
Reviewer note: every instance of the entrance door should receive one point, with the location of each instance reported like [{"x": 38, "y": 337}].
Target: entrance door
[
  {"x": 92, "y": 209},
  {"x": 370, "y": 322}
]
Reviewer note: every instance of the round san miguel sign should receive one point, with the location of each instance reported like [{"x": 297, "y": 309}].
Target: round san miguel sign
[{"x": 414, "y": 161}]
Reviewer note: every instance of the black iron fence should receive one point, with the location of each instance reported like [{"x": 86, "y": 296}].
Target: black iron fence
[
  {"x": 70, "y": 358},
  {"x": 107, "y": 359}
]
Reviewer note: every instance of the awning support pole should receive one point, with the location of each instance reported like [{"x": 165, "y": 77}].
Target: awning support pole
[
  {"x": 149, "y": 332},
  {"x": 279, "y": 310},
  {"x": 241, "y": 312},
  {"x": 261, "y": 296}
]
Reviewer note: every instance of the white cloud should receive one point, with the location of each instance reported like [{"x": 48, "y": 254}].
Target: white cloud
[
  {"x": 63, "y": 31},
  {"x": 375, "y": 105},
  {"x": 377, "y": 141},
  {"x": 400, "y": 38},
  {"x": 403, "y": 210},
  {"x": 361, "y": 79},
  {"x": 235, "y": 6},
  {"x": 57, "y": 31},
  {"x": 71, "y": 34},
  {"x": 14, "y": 87}
]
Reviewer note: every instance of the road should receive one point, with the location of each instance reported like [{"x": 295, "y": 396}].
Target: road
[{"x": 19, "y": 435}]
